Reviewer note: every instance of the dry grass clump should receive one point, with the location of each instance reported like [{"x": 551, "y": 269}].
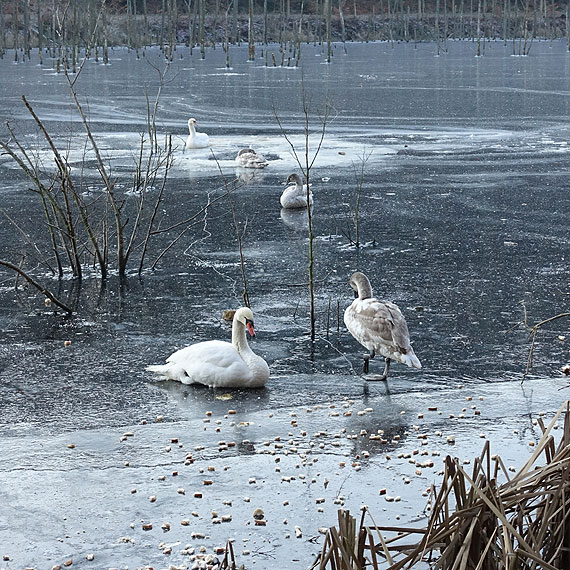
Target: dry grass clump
[{"x": 475, "y": 523}]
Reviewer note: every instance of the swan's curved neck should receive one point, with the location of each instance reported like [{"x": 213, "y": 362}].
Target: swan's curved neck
[
  {"x": 364, "y": 290},
  {"x": 191, "y": 128},
  {"x": 239, "y": 340},
  {"x": 298, "y": 182}
]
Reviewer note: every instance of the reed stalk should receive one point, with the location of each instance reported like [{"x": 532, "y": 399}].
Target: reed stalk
[
  {"x": 328, "y": 15},
  {"x": 533, "y": 330},
  {"x": 238, "y": 233}
]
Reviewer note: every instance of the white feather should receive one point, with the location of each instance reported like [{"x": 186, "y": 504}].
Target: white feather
[
  {"x": 217, "y": 363},
  {"x": 196, "y": 140}
]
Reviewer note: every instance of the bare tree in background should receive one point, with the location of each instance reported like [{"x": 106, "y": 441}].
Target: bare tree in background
[{"x": 305, "y": 159}]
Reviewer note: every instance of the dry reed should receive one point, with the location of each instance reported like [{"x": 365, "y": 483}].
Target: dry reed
[{"x": 475, "y": 522}]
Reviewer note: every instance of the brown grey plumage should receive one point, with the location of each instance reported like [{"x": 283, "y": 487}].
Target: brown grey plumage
[{"x": 379, "y": 326}]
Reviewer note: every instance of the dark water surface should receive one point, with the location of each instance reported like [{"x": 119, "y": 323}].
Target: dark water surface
[{"x": 464, "y": 214}]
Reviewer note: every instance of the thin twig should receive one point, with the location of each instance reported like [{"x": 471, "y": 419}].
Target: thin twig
[{"x": 43, "y": 290}]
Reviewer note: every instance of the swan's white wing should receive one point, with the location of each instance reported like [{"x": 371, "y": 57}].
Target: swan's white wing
[
  {"x": 198, "y": 140},
  {"x": 213, "y": 363}
]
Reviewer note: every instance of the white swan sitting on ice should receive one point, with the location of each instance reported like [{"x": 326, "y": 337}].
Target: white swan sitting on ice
[
  {"x": 196, "y": 140},
  {"x": 379, "y": 326},
  {"x": 295, "y": 195},
  {"x": 248, "y": 158},
  {"x": 217, "y": 363}
]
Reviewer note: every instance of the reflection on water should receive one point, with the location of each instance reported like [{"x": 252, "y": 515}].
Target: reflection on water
[
  {"x": 296, "y": 219},
  {"x": 198, "y": 397}
]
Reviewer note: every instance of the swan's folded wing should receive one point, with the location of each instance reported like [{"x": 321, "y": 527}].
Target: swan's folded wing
[
  {"x": 368, "y": 323},
  {"x": 399, "y": 327},
  {"x": 379, "y": 322},
  {"x": 376, "y": 319},
  {"x": 293, "y": 198},
  {"x": 213, "y": 352},
  {"x": 213, "y": 363}
]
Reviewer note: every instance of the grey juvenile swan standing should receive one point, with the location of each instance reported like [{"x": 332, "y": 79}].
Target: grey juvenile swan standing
[{"x": 379, "y": 326}]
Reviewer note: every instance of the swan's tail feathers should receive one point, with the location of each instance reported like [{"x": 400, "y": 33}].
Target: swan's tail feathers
[
  {"x": 411, "y": 360},
  {"x": 158, "y": 368}
]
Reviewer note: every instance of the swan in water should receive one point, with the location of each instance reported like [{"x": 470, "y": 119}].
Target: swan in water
[
  {"x": 379, "y": 326},
  {"x": 196, "y": 140},
  {"x": 295, "y": 195},
  {"x": 217, "y": 363},
  {"x": 248, "y": 158}
]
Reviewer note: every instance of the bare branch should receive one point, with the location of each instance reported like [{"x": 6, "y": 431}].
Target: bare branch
[
  {"x": 239, "y": 236},
  {"x": 37, "y": 285},
  {"x": 533, "y": 331}
]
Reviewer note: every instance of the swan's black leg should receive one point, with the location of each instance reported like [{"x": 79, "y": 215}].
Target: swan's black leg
[
  {"x": 367, "y": 358},
  {"x": 384, "y": 374},
  {"x": 386, "y": 368}
]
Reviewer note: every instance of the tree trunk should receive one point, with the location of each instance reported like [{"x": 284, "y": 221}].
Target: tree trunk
[
  {"x": 2, "y": 30},
  {"x": 162, "y": 14},
  {"x": 15, "y": 31},
  {"x": 265, "y": 22},
  {"x": 250, "y": 35},
  {"x": 567, "y": 26},
  {"x": 328, "y": 11},
  {"x": 105, "y": 45},
  {"x": 235, "y": 30},
  {"x": 129, "y": 25},
  {"x": 202, "y": 17},
  {"x": 146, "y": 35},
  {"x": 27, "y": 28},
  {"x": 342, "y": 28},
  {"x": 40, "y": 31},
  {"x": 215, "y": 22}
]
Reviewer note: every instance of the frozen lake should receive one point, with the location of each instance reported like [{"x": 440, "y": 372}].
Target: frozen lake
[{"x": 464, "y": 214}]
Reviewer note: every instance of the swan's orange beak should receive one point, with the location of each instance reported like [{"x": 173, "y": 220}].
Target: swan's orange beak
[{"x": 249, "y": 326}]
